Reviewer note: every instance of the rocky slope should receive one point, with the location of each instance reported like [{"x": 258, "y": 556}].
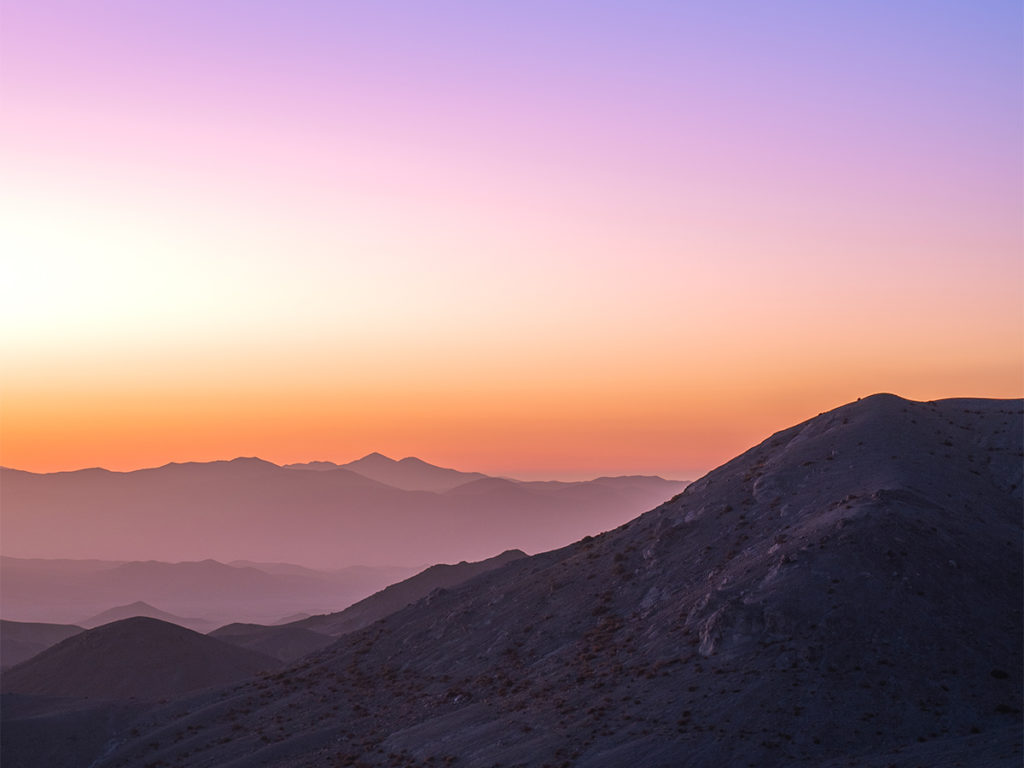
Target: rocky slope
[{"x": 848, "y": 592}]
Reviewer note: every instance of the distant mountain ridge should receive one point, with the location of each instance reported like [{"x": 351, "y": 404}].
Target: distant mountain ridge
[
  {"x": 374, "y": 511},
  {"x": 140, "y": 608},
  {"x": 409, "y": 474},
  {"x": 212, "y": 592}
]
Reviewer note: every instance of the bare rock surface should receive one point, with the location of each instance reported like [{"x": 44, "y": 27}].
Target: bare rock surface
[{"x": 848, "y": 592}]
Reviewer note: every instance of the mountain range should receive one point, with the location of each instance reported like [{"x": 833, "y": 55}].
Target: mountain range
[
  {"x": 375, "y": 511},
  {"x": 211, "y": 593},
  {"x": 847, "y": 592}
]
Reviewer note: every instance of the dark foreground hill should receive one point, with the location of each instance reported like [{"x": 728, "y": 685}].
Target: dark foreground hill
[
  {"x": 140, "y": 658},
  {"x": 140, "y": 608}
]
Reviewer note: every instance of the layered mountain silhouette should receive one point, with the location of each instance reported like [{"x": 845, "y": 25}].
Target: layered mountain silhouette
[
  {"x": 397, "y": 596},
  {"x": 847, "y": 592},
  {"x": 298, "y": 638},
  {"x": 21, "y": 640},
  {"x": 140, "y": 658},
  {"x": 140, "y": 608},
  {"x": 409, "y": 474},
  {"x": 285, "y": 642},
  {"x": 210, "y": 592},
  {"x": 331, "y": 518}
]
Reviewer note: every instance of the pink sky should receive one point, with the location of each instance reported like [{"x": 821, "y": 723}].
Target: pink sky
[{"x": 537, "y": 239}]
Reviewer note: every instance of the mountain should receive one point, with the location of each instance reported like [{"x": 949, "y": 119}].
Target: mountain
[
  {"x": 285, "y": 643},
  {"x": 140, "y": 608},
  {"x": 213, "y": 592},
  {"x": 409, "y": 474},
  {"x": 248, "y": 509},
  {"x": 847, "y": 592},
  {"x": 21, "y": 640},
  {"x": 300, "y": 637},
  {"x": 397, "y": 596},
  {"x": 140, "y": 658}
]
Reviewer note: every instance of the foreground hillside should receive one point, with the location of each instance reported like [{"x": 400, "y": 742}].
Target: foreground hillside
[{"x": 846, "y": 593}]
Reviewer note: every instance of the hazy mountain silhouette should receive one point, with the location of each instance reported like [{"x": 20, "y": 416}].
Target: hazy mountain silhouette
[
  {"x": 848, "y": 591},
  {"x": 248, "y": 509},
  {"x": 212, "y": 592},
  {"x": 409, "y": 474},
  {"x": 140, "y": 658},
  {"x": 284, "y": 642},
  {"x": 139, "y": 608},
  {"x": 21, "y": 640},
  {"x": 297, "y": 638},
  {"x": 398, "y": 596}
]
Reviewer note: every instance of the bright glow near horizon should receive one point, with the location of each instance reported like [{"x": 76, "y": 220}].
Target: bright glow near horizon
[{"x": 529, "y": 239}]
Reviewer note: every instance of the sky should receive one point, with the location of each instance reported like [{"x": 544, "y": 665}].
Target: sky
[{"x": 539, "y": 239}]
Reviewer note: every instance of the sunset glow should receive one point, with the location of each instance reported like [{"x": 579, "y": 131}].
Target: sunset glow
[{"x": 541, "y": 240}]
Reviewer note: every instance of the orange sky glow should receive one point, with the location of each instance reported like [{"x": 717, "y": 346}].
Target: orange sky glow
[{"x": 534, "y": 253}]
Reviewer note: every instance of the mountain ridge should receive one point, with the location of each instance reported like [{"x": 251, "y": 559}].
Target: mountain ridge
[
  {"x": 848, "y": 589},
  {"x": 322, "y": 519}
]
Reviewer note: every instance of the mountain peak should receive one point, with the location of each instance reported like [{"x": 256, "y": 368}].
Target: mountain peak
[
  {"x": 138, "y": 656},
  {"x": 139, "y": 605},
  {"x": 376, "y": 458}
]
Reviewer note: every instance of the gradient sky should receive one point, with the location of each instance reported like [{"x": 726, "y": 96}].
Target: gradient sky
[{"x": 546, "y": 239}]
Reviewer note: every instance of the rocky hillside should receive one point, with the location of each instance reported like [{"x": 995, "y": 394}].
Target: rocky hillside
[{"x": 847, "y": 592}]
